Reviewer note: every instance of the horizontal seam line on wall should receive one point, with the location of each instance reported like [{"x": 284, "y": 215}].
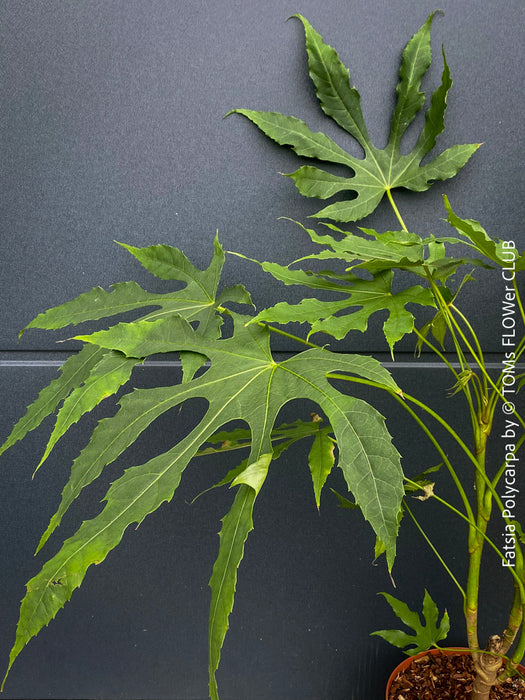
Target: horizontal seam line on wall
[{"x": 177, "y": 363}]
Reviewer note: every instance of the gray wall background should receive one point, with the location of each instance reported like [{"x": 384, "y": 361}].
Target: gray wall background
[{"x": 112, "y": 129}]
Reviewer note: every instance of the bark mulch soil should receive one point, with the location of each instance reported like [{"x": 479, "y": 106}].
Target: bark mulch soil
[{"x": 440, "y": 677}]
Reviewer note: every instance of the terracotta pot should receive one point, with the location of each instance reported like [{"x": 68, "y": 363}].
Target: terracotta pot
[{"x": 406, "y": 663}]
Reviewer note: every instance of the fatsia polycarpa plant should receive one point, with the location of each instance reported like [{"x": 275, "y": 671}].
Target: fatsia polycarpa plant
[{"x": 227, "y": 360}]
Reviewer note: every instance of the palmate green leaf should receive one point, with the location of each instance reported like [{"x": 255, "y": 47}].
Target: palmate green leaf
[
  {"x": 94, "y": 374},
  {"x": 391, "y": 250},
  {"x": 294, "y": 374},
  {"x": 370, "y": 295},
  {"x": 195, "y": 302},
  {"x": 380, "y": 254},
  {"x": 380, "y": 170},
  {"x": 374, "y": 252},
  {"x": 426, "y": 635},
  {"x": 242, "y": 382}
]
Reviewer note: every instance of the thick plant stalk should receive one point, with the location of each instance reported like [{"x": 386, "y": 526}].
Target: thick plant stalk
[
  {"x": 514, "y": 624},
  {"x": 487, "y": 666},
  {"x": 475, "y": 554}
]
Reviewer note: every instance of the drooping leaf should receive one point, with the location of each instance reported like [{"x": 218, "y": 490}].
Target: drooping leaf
[
  {"x": 321, "y": 460},
  {"x": 282, "y": 439},
  {"x": 73, "y": 373},
  {"x": 242, "y": 371},
  {"x": 240, "y": 438},
  {"x": 426, "y": 635},
  {"x": 106, "y": 377},
  {"x": 236, "y": 527},
  {"x": 503, "y": 253},
  {"x": 380, "y": 170}
]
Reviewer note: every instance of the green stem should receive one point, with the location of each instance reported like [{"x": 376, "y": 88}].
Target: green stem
[
  {"x": 436, "y": 351},
  {"x": 475, "y": 542},
  {"x": 518, "y": 299},
  {"x": 515, "y": 620},
  {"x": 433, "y": 548},
  {"x": 449, "y": 320},
  {"x": 485, "y": 488},
  {"x": 487, "y": 539},
  {"x": 279, "y": 331},
  {"x": 442, "y": 357},
  {"x": 396, "y": 210},
  {"x": 497, "y": 394},
  {"x": 503, "y": 467},
  {"x": 477, "y": 344},
  {"x": 478, "y": 360}
]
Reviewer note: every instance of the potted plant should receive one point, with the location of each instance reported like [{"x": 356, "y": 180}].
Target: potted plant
[{"x": 227, "y": 360}]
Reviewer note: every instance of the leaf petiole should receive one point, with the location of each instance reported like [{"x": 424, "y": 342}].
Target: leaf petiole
[{"x": 396, "y": 210}]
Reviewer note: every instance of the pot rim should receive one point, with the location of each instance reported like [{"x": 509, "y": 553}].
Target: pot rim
[{"x": 455, "y": 651}]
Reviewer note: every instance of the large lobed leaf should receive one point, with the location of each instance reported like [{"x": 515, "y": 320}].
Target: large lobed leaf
[
  {"x": 369, "y": 296},
  {"x": 243, "y": 381},
  {"x": 380, "y": 256},
  {"x": 192, "y": 302},
  {"x": 380, "y": 170},
  {"x": 94, "y": 373}
]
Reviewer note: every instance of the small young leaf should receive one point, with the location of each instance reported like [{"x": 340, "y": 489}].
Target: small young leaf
[
  {"x": 321, "y": 459},
  {"x": 426, "y": 635},
  {"x": 345, "y": 502}
]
